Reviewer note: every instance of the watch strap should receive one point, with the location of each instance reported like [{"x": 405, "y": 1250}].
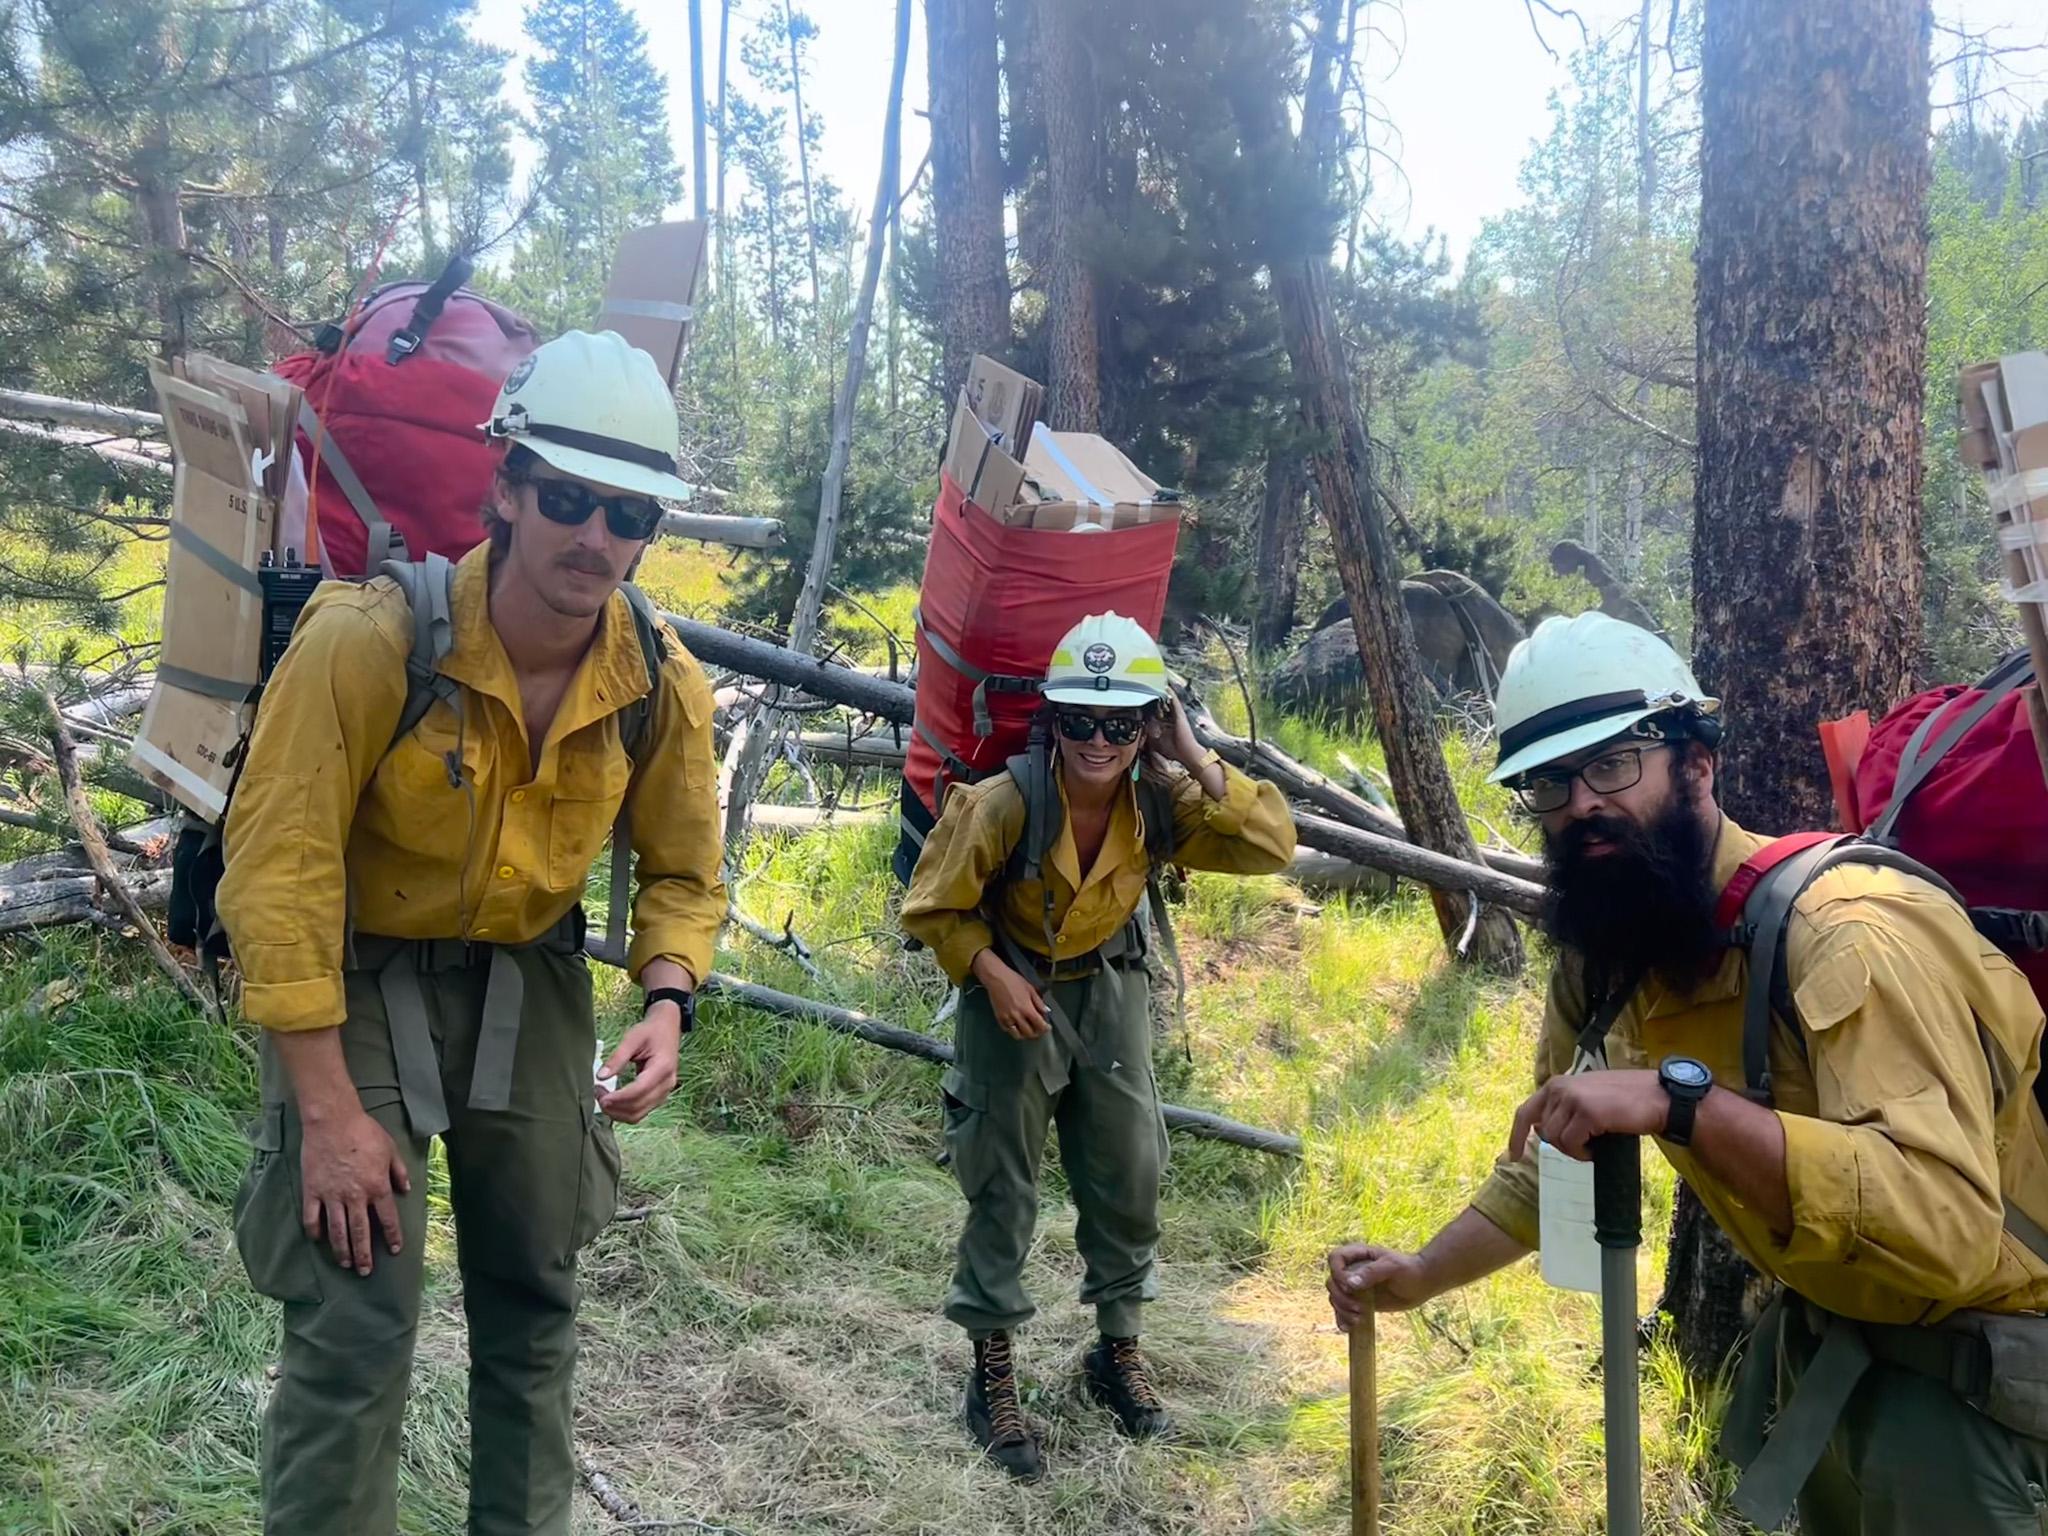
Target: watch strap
[
  {"x": 1678, "y": 1123},
  {"x": 686, "y": 1003}
]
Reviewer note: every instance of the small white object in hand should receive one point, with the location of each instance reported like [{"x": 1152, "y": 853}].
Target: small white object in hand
[{"x": 608, "y": 1084}]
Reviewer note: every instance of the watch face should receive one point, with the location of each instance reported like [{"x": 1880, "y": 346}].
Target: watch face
[{"x": 1684, "y": 1072}]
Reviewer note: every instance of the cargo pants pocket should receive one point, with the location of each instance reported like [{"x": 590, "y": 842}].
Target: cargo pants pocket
[
  {"x": 273, "y": 1246},
  {"x": 966, "y": 1108},
  {"x": 597, "y": 1185}
]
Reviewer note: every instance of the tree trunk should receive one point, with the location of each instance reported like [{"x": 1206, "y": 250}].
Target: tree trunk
[
  {"x": 810, "y": 602},
  {"x": 1404, "y": 703},
  {"x": 1710, "y": 1292},
  {"x": 1812, "y": 277},
  {"x": 967, "y": 186},
  {"x": 1279, "y": 549},
  {"x": 699, "y": 183},
  {"x": 1066, "y": 77},
  {"x": 1812, "y": 343},
  {"x": 803, "y": 155},
  {"x": 1636, "y": 491}
]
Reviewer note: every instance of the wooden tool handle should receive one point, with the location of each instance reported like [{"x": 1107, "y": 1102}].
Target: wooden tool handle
[{"x": 1365, "y": 1427}]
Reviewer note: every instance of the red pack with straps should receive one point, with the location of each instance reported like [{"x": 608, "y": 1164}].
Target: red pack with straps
[
  {"x": 389, "y": 433},
  {"x": 1980, "y": 816},
  {"x": 995, "y": 600}
]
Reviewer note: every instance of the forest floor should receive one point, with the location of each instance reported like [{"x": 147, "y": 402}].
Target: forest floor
[{"x": 762, "y": 1351}]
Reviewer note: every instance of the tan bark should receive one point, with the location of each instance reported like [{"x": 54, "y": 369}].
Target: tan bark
[
  {"x": 967, "y": 185},
  {"x": 1073, "y": 395}
]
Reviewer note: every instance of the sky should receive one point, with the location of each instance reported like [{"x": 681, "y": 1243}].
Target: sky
[{"x": 1465, "y": 85}]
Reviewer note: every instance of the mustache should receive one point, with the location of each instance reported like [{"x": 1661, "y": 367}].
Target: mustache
[{"x": 591, "y": 565}]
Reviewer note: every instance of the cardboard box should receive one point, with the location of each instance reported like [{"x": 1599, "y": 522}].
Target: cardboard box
[
  {"x": 992, "y": 479},
  {"x": 1080, "y": 480},
  {"x": 1005, "y": 402},
  {"x": 222, "y": 523},
  {"x": 272, "y": 408},
  {"x": 651, "y": 299}
]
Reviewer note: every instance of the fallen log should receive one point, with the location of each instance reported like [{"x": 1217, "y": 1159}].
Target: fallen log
[
  {"x": 1420, "y": 864},
  {"x": 24, "y": 406},
  {"x": 717, "y": 528},
  {"x": 1301, "y": 782},
  {"x": 60, "y": 899},
  {"x": 778, "y": 664},
  {"x": 129, "y": 453},
  {"x": 875, "y": 749},
  {"x": 1196, "y": 1122}
]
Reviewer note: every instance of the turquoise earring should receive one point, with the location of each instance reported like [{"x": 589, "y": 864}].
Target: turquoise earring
[{"x": 1134, "y": 770}]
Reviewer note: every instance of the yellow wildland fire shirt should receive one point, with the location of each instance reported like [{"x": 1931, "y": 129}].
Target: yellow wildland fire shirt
[
  {"x": 1248, "y": 832},
  {"x": 1900, "y": 1166},
  {"x": 325, "y": 814}
]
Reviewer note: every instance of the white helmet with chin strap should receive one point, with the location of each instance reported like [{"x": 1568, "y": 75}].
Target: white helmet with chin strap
[
  {"x": 1106, "y": 659},
  {"x": 1576, "y": 683},
  {"x": 595, "y": 407}
]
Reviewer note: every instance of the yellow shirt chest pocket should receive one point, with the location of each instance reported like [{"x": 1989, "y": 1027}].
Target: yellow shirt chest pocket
[
  {"x": 414, "y": 804},
  {"x": 589, "y": 789}
]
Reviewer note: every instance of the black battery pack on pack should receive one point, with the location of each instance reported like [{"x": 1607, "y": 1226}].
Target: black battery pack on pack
[{"x": 287, "y": 588}]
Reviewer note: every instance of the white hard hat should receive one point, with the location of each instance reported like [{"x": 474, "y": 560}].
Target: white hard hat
[
  {"x": 594, "y": 407},
  {"x": 1106, "y": 659},
  {"x": 1578, "y": 682}
]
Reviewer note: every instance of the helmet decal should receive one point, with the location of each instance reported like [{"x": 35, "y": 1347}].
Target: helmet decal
[
  {"x": 1099, "y": 657},
  {"x": 520, "y": 375}
]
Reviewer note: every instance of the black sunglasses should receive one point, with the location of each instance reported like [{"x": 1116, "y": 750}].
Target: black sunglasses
[
  {"x": 570, "y": 503},
  {"x": 1117, "y": 730}
]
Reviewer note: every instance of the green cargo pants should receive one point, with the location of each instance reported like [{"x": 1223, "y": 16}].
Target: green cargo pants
[
  {"x": 530, "y": 1184},
  {"x": 1906, "y": 1455},
  {"x": 1002, "y": 1094}
]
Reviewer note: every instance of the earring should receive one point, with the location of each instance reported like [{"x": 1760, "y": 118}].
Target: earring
[{"x": 1134, "y": 770}]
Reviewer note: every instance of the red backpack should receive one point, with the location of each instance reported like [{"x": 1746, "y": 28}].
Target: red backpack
[
  {"x": 396, "y": 465},
  {"x": 1965, "y": 808}
]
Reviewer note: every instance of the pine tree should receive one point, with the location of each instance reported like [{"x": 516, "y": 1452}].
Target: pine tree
[{"x": 601, "y": 116}]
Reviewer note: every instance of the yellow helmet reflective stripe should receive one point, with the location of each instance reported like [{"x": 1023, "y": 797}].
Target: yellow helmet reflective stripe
[{"x": 1106, "y": 659}]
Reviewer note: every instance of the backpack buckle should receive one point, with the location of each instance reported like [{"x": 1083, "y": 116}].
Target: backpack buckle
[{"x": 403, "y": 345}]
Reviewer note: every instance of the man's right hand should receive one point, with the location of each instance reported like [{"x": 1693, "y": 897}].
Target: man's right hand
[
  {"x": 1363, "y": 1275},
  {"x": 349, "y": 1168},
  {"x": 1021, "y": 1012}
]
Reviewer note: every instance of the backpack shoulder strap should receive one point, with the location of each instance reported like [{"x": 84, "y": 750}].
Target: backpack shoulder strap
[
  {"x": 1770, "y": 885},
  {"x": 429, "y": 588},
  {"x": 1155, "y": 812},
  {"x": 633, "y": 727},
  {"x": 1044, "y": 812},
  {"x": 1920, "y": 759}
]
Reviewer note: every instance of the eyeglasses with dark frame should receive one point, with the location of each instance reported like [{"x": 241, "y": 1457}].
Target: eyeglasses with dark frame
[
  {"x": 1078, "y": 725},
  {"x": 1550, "y": 789}
]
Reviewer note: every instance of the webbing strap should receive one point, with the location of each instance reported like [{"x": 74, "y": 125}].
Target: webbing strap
[
  {"x": 216, "y": 559},
  {"x": 1776, "y": 1472},
  {"x": 1920, "y": 760},
  {"x": 490, "y": 1083},
  {"x": 954, "y": 766},
  {"x": 1735, "y": 894},
  {"x": 205, "y": 683},
  {"x": 412, "y": 1045},
  {"x": 1591, "y": 1054},
  {"x": 351, "y": 485},
  {"x": 984, "y": 682},
  {"x": 1020, "y": 961},
  {"x": 2027, "y": 1230}
]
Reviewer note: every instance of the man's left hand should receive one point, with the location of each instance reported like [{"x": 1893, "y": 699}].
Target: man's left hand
[
  {"x": 1569, "y": 1111},
  {"x": 655, "y": 1046}
]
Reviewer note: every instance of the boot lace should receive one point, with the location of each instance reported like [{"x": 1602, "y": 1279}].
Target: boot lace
[
  {"x": 1132, "y": 1370},
  {"x": 999, "y": 1384}
]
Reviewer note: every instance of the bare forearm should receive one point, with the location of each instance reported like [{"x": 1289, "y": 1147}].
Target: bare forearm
[
  {"x": 661, "y": 972},
  {"x": 318, "y": 1071},
  {"x": 1469, "y": 1249},
  {"x": 1742, "y": 1146}
]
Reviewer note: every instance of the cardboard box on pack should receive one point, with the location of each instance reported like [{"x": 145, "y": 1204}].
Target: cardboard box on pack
[
  {"x": 991, "y": 478},
  {"x": 1081, "y": 481},
  {"x": 651, "y": 297},
  {"x": 222, "y": 522}
]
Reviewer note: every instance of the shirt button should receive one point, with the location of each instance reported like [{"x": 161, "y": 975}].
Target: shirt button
[
  {"x": 481, "y": 932},
  {"x": 505, "y": 871},
  {"x": 518, "y": 796}
]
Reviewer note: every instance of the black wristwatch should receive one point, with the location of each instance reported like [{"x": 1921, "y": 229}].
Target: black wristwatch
[
  {"x": 1686, "y": 1082},
  {"x": 686, "y": 1001}
]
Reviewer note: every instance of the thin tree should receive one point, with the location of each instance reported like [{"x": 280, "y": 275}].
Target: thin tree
[
  {"x": 1343, "y": 468},
  {"x": 1073, "y": 394},
  {"x": 967, "y": 185},
  {"x": 698, "y": 179},
  {"x": 811, "y": 599},
  {"x": 803, "y": 143}
]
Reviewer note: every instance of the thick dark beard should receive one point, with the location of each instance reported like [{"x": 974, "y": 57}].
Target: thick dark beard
[{"x": 1645, "y": 905}]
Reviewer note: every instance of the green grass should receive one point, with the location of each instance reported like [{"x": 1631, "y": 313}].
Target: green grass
[{"x": 763, "y": 1350}]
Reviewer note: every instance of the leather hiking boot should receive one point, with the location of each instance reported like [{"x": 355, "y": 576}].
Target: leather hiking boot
[
  {"x": 1120, "y": 1381},
  {"x": 994, "y": 1417}
]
